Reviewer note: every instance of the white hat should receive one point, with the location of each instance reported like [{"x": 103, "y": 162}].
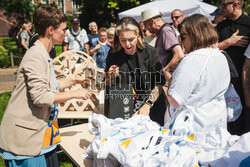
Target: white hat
[{"x": 150, "y": 13}]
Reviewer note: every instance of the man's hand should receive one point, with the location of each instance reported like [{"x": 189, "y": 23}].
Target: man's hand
[{"x": 237, "y": 40}]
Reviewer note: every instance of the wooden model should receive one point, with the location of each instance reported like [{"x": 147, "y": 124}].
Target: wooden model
[{"x": 75, "y": 63}]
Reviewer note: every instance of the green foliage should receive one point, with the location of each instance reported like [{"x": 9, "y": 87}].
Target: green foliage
[
  {"x": 105, "y": 12},
  {"x": 58, "y": 49},
  {"x": 4, "y": 58},
  {"x": 4, "y": 99},
  {"x": 9, "y": 45}
]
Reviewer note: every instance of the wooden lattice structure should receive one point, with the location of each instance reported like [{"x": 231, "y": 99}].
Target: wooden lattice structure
[{"x": 75, "y": 63}]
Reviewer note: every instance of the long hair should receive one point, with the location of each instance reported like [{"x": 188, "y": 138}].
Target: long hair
[
  {"x": 24, "y": 26},
  {"x": 128, "y": 23},
  {"x": 200, "y": 30},
  {"x": 47, "y": 16}
]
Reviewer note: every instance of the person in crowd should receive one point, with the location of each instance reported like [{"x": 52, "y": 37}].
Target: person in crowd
[
  {"x": 149, "y": 38},
  {"x": 234, "y": 33},
  {"x": 93, "y": 36},
  {"x": 177, "y": 18},
  {"x": 218, "y": 17},
  {"x": 24, "y": 35},
  {"x": 199, "y": 82},
  {"x": 167, "y": 44},
  {"x": 101, "y": 49},
  {"x": 112, "y": 25},
  {"x": 77, "y": 37},
  {"x": 246, "y": 84},
  {"x": 29, "y": 132},
  {"x": 133, "y": 57},
  {"x": 111, "y": 36},
  {"x": 30, "y": 28}
]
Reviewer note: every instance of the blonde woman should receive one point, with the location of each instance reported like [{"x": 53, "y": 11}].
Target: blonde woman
[
  {"x": 141, "y": 67},
  {"x": 24, "y": 35}
]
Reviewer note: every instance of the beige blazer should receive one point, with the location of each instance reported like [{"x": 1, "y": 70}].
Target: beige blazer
[{"x": 25, "y": 118}]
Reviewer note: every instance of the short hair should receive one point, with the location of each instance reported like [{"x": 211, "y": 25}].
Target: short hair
[
  {"x": 200, "y": 30},
  {"x": 103, "y": 29},
  {"x": 176, "y": 10},
  {"x": 92, "y": 23},
  {"x": 46, "y": 16},
  {"x": 128, "y": 23},
  {"x": 111, "y": 30}
]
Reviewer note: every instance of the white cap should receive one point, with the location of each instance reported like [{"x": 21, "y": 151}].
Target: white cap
[{"x": 150, "y": 13}]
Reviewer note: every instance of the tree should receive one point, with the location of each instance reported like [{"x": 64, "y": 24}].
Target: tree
[{"x": 105, "y": 12}]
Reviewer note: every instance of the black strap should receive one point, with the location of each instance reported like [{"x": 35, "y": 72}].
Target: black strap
[
  {"x": 75, "y": 37},
  {"x": 233, "y": 70}
]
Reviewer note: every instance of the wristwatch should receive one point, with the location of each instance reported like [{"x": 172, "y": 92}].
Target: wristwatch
[{"x": 150, "y": 103}]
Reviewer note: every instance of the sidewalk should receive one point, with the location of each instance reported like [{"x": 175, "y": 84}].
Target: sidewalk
[{"x": 7, "y": 78}]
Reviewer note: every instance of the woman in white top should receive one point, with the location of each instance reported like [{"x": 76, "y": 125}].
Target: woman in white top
[{"x": 199, "y": 82}]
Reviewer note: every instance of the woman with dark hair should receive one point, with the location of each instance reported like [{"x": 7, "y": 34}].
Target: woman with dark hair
[
  {"x": 138, "y": 65},
  {"x": 29, "y": 132},
  {"x": 200, "y": 80}
]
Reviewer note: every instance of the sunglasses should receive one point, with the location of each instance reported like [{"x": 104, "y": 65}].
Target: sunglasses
[
  {"x": 182, "y": 36},
  {"x": 224, "y": 5},
  {"x": 176, "y": 17}
]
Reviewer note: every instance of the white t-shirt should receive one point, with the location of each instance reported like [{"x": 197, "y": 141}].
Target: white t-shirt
[
  {"x": 73, "y": 44},
  {"x": 202, "y": 96},
  {"x": 247, "y": 52}
]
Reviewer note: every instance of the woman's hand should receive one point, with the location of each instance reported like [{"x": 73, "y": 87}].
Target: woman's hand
[
  {"x": 145, "y": 110},
  {"x": 83, "y": 80},
  {"x": 84, "y": 94},
  {"x": 113, "y": 72}
]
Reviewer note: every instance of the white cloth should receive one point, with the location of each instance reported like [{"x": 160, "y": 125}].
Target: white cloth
[
  {"x": 73, "y": 44},
  {"x": 202, "y": 96},
  {"x": 247, "y": 52},
  {"x": 139, "y": 141},
  {"x": 150, "y": 40}
]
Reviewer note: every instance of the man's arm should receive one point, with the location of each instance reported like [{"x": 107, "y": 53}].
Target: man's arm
[
  {"x": 86, "y": 46},
  {"x": 234, "y": 40},
  {"x": 246, "y": 81},
  {"x": 177, "y": 56}
]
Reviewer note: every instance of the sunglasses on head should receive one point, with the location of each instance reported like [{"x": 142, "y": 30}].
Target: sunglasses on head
[
  {"x": 224, "y": 5},
  {"x": 176, "y": 17}
]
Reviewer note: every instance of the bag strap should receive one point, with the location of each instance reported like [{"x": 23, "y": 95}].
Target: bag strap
[{"x": 75, "y": 37}]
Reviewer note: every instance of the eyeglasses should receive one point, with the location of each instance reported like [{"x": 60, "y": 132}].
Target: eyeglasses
[
  {"x": 224, "y": 5},
  {"x": 176, "y": 17},
  {"x": 182, "y": 36}
]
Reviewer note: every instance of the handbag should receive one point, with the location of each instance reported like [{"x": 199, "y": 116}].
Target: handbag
[
  {"x": 119, "y": 101},
  {"x": 233, "y": 103}
]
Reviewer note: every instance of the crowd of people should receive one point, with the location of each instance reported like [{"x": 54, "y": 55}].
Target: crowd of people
[{"x": 172, "y": 69}]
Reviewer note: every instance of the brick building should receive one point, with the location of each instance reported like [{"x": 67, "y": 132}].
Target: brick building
[{"x": 68, "y": 6}]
